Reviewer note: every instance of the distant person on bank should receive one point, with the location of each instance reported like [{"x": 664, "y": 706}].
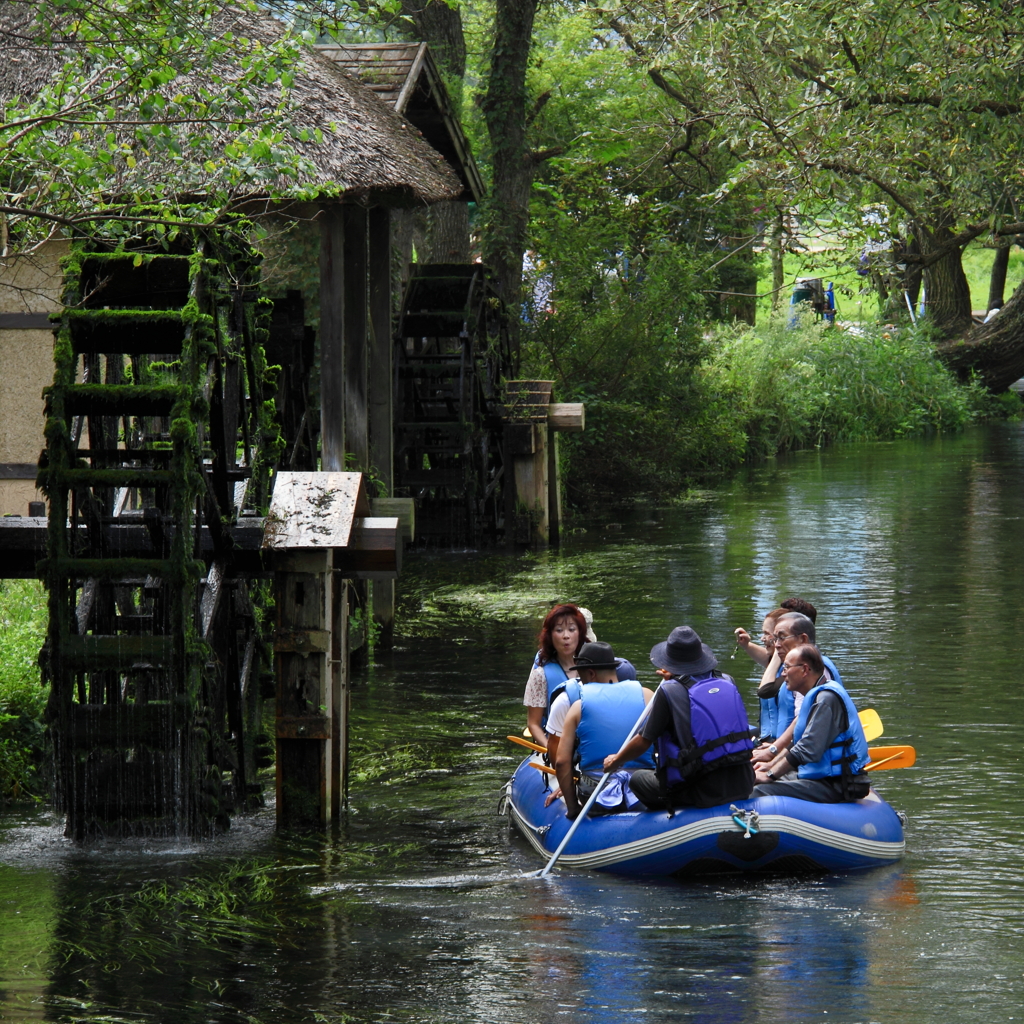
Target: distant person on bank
[
  {"x": 598, "y": 722},
  {"x": 826, "y": 761},
  {"x": 700, "y": 727}
]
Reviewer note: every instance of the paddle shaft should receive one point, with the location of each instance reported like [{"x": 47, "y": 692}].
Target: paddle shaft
[{"x": 593, "y": 796}]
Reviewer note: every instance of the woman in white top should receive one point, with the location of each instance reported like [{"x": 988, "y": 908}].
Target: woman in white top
[{"x": 563, "y": 633}]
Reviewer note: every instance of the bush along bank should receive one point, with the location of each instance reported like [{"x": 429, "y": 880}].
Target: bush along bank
[
  {"x": 762, "y": 391},
  {"x": 22, "y": 695}
]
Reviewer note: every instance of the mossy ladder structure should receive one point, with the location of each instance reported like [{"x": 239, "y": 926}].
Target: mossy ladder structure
[{"x": 158, "y": 451}]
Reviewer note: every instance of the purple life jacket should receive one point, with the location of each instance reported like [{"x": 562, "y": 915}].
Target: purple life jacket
[{"x": 713, "y": 734}]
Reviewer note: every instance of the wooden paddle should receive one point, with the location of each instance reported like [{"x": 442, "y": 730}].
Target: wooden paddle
[
  {"x": 890, "y": 757},
  {"x": 871, "y": 724}
]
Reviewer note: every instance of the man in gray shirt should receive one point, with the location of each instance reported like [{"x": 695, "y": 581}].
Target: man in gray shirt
[{"x": 826, "y": 761}]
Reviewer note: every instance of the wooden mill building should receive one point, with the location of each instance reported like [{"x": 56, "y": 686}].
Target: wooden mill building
[{"x": 166, "y": 492}]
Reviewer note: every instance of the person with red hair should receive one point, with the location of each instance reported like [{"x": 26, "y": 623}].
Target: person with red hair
[{"x": 562, "y": 634}]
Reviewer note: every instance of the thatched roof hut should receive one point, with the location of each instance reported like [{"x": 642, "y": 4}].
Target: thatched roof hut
[{"x": 366, "y": 148}]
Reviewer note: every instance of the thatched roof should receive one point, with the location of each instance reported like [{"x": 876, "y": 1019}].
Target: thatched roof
[{"x": 367, "y": 149}]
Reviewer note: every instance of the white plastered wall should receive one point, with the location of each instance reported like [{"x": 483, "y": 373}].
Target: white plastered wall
[{"x": 28, "y": 284}]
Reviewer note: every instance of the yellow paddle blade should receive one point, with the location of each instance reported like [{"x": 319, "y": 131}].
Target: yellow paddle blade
[
  {"x": 529, "y": 744},
  {"x": 883, "y": 758},
  {"x": 542, "y": 768},
  {"x": 871, "y": 723}
]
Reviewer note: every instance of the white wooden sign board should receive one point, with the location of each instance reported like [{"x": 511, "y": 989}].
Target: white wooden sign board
[{"x": 314, "y": 510}]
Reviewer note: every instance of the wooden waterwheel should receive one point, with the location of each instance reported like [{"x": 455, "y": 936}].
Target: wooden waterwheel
[{"x": 159, "y": 447}]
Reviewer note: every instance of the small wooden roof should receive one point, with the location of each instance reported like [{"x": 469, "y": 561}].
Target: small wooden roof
[{"x": 405, "y": 77}]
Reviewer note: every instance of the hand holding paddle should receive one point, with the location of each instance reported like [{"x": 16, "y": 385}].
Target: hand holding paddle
[{"x": 590, "y": 801}]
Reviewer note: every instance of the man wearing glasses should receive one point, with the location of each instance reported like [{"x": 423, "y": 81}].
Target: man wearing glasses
[
  {"x": 791, "y": 631},
  {"x": 826, "y": 761}
]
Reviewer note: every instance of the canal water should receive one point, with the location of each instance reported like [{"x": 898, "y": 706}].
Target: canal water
[{"x": 415, "y": 911}]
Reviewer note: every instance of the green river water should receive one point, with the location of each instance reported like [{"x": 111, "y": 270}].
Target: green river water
[{"x": 415, "y": 911}]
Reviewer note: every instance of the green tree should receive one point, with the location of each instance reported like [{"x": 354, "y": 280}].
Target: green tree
[
  {"x": 112, "y": 106},
  {"x": 917, "y": 106}
]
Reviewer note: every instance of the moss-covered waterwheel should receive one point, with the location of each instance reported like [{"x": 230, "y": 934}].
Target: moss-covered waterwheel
[{"x": 159, "y": 446}]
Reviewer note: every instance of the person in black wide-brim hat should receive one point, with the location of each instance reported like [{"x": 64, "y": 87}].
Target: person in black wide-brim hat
[
  {"x": 703, "y": 770},
  {"x": 683, "y": 654}
]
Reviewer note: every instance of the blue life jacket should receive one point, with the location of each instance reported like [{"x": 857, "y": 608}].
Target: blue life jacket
[
  {"x": 571, "y": 687},
  {"x": 848, "y": 753},
  {"x": 607, "y": 713},
  {"x": 555, "y": 676},
  {"x": 778, "y": 711},
  {"x": 767, "y": 724},
  {"x": 718, "y": 733}
]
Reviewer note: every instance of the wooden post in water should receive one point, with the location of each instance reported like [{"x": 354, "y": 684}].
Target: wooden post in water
[
  {"x": 531, "y": 422},
  {"x": 356, "y": 382},
  {"x": 381, "y": 395},
  {"x": 332, "y": 339},
  {"x": 303, "y": 592},
  {"x": 314, "y": 519}
]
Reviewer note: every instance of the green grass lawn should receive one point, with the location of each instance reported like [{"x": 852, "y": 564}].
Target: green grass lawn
[{"x": 853, "y": 305}]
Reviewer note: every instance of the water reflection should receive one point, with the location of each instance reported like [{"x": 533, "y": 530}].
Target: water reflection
[{"x": 416, "y": 910}]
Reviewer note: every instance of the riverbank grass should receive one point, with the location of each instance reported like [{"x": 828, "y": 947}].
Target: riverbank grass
[
  {"x": 22, "y": 695},
  {"x": 814, "y": 385}
]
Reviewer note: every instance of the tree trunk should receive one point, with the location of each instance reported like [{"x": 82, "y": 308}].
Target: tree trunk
[
  {"x": 997, "y": 282},
  {"x": 995, "y": 351},
  {"x": 448, "y": 229},
  {"x": 913, "y": 274},
  {"x": 440, "y": 25},
  {"x": 948, "y": 296},
  {"x": 778, "y": 269},
  {"x": 505, "y": 112}
]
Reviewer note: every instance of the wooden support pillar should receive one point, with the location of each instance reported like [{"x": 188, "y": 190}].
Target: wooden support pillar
[
  {"x": 531, "y": 431},
  {"x": 305, "y": 691},
  {"x": 381, "y": 370},
  {"x": 332, "y": 339},
  {"x": 381, "y": 396},
  {"x": 318, "y": 535},
  {"x": 355, "y": 384},
  {"x": 554, "y": 490},
  {"x": 340, "y": 699},
  {"x": 527, "y": 411}
]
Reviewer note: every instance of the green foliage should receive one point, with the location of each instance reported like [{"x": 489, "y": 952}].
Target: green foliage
[
  {"x": 146, "y": 104},
  {"x": 22, "y": 696},
  {"x": 811, "y": 386}
]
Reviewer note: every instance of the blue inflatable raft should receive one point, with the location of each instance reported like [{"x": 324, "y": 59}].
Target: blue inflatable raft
[{"x": 791, "y": 835}]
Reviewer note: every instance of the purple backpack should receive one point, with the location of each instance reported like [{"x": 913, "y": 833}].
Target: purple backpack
[{"x": 718, "y": 733}]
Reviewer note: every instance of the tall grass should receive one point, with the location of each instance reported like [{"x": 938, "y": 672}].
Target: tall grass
[
  {"x": 22, "y": 696},
  {"x": 814, "y": 385}
]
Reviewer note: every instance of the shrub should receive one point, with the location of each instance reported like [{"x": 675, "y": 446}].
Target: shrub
[
  {"x": 22, "y": 696},
  {"x": 814, "y": 385}
]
